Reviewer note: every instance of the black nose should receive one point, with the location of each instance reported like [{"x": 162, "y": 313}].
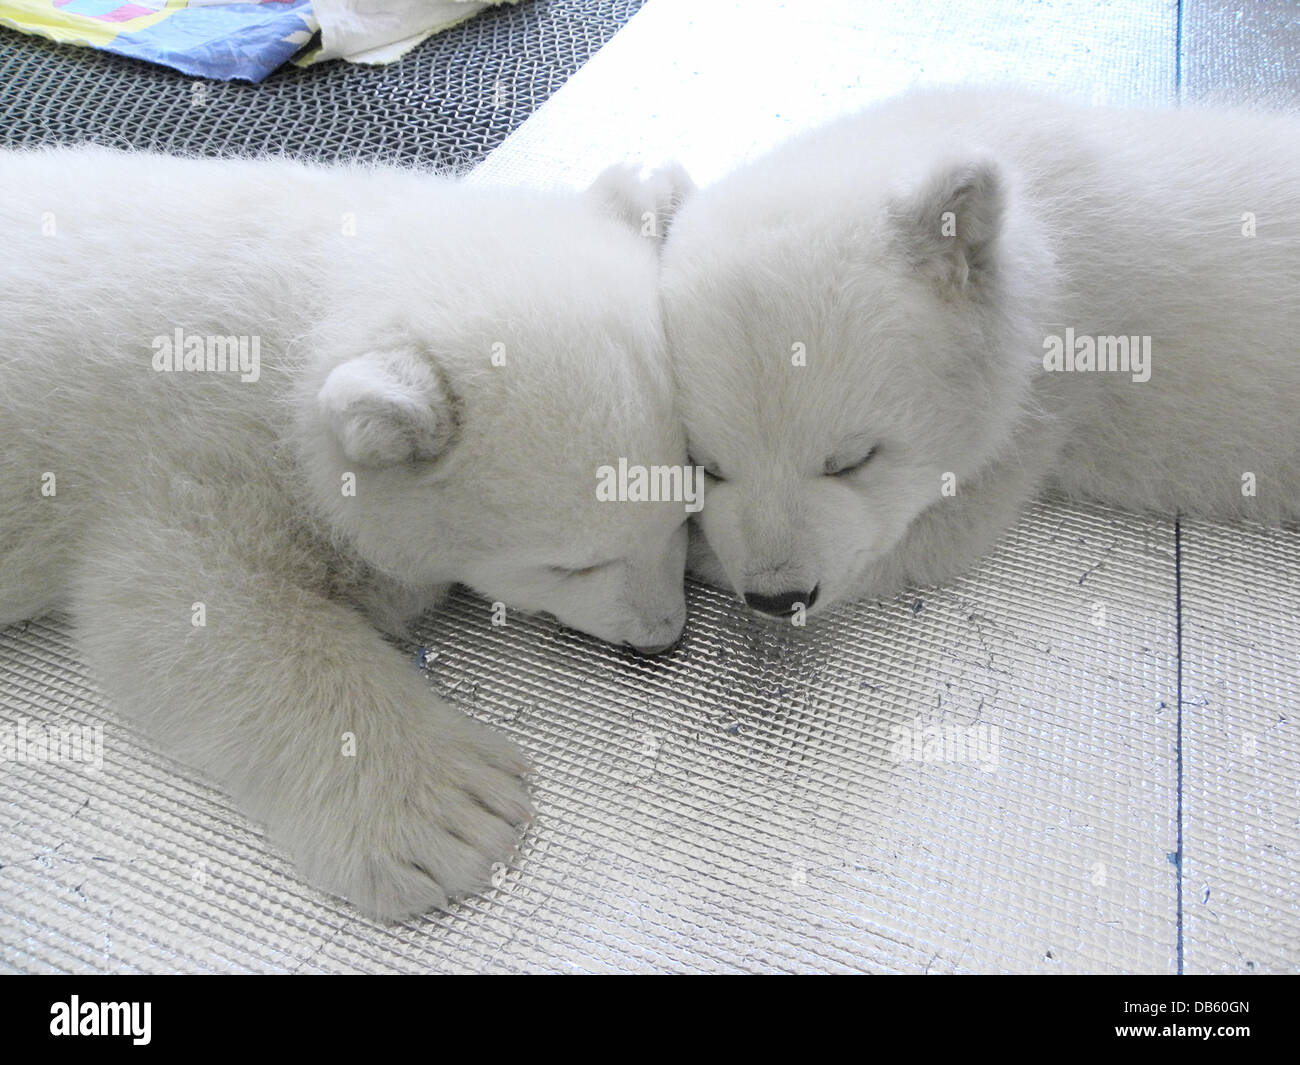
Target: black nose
[{"x": 782, "y": 604}]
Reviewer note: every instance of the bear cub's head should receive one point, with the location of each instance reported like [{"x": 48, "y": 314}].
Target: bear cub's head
[
  {"x": 469, "y": 388},
  {"x": 847, "y": 343}
]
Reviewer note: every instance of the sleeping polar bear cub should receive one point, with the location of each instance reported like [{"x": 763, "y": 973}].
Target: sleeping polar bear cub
[
  {"x": 891, "y": 332},
  {"x": 251, "y": 410}
]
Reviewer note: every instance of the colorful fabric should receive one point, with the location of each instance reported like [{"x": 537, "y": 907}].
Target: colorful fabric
[{"x": 222, "y": 40}]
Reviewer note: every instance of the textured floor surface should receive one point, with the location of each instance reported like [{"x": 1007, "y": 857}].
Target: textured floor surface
[{"x": 1084, "y": 757}]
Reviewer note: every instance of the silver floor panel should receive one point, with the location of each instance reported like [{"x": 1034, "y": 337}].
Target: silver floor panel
[
  {"x": 1241, "y": 50},
  {"x": 765, "y": 799},
  {"x": 1241, "y": 748},
  {"x": 742, "y": 804},
  {"x": 712, "y": 84}
]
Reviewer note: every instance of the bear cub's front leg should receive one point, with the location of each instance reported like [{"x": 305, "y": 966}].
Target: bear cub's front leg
[{"x": 380, "y": 792}]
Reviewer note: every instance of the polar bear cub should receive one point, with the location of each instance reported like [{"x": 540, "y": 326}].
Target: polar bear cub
[
  {"x": 252, "y": 412},
  {"x": 892, "y": 331}
]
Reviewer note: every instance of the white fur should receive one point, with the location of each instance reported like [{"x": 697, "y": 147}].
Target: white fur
[
  {"x": 931, "y": 345},
  {"x": 376, "y": 351}
]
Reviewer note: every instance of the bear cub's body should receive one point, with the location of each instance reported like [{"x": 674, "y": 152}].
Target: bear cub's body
[
  {"x": 251, "y": 412},
  {"x": 886, "y": 333}
]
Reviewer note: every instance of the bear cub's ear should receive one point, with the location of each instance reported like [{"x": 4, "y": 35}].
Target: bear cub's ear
[
  {"x": 948, "y": 227},
  {"x": 388, "y": 407},
  {"x": 647, "y": 204}
]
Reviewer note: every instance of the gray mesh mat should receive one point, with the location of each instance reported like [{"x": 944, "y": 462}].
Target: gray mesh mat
[
  {"x": 447, "y": 104},
  {"x": 744, "y": 803}
]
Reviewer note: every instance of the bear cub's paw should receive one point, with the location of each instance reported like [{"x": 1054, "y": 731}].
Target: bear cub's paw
[{"x": 431, "y": 819}]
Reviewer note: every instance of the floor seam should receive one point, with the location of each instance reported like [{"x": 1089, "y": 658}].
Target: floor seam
[{"x": 1178, "y": 643}]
